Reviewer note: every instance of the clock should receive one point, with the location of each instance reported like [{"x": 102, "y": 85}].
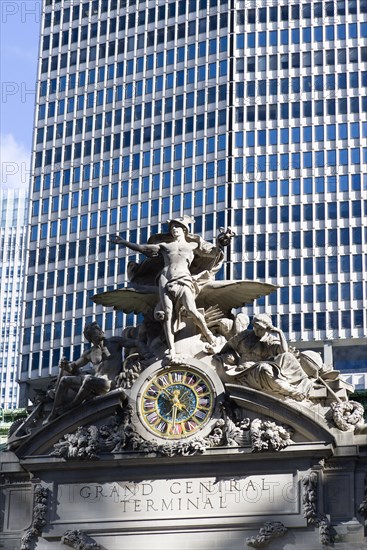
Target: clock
[{"x": 178, "y": 402}]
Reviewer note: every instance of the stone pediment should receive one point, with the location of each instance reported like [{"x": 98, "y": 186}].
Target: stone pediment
[{"x": 109, "y": 425}]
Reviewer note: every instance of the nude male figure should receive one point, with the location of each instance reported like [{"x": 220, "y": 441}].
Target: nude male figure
[{"x": 175, "y": 283}]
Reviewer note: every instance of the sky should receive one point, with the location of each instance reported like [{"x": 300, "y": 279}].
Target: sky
[{"x": 20, "y": 23}]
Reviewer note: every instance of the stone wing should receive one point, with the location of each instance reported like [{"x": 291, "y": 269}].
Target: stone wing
[
  {"x": 232, "y": 294},
  {"x": 128, "y": 300}
]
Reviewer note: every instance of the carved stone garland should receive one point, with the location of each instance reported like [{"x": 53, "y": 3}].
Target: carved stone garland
[
  {"x": 270, "y": 531},
  {"x": 79, "y": 540},
  {"x": 326, "y": 532},
  {"x": 362, "y": 508},
  {"x": 88, "y": 442},
  {"x": 41, "y": 495}
]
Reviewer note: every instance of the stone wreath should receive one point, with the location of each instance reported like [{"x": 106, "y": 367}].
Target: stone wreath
[{"x": 347, "y": 415}]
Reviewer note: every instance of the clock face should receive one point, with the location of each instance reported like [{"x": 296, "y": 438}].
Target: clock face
[{"x": 177, "y": 402}]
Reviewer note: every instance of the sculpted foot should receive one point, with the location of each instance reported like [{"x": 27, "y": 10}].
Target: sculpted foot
[{"x": 213, "y": 346}]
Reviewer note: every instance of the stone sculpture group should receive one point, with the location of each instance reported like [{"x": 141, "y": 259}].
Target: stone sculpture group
[
  {"x": 196, "y": 375},
  {"x": 187, "y": 314}
]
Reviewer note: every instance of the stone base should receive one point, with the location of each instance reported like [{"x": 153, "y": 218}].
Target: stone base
[{"x": 280, "y": 476}]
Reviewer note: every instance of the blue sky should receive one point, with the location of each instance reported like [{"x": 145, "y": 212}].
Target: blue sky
[{"x": 19, "y": 32}]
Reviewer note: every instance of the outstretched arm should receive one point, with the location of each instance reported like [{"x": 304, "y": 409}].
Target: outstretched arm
[{"x": 147, "y": 249}]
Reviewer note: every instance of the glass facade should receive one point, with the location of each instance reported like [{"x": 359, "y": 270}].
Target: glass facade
[
  {"x": 13, "y": 218},
  {"x": 237, "y": 113}
]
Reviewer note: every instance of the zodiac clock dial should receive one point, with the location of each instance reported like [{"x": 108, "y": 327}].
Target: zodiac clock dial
[{"x": 176, "y": 402}]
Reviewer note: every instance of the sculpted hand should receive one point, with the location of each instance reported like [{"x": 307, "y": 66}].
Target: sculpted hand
[
  {"x": 66, "y": 365},
  {"x": 115, "y": 240},
  {"x": 225, "y": 236}
]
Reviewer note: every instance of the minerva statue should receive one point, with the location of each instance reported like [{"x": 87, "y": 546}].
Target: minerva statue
[
  {"x": 94, "y": 373},
  {"x": 177, "y": 280}
]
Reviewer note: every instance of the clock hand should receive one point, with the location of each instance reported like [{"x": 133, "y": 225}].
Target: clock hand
[
  {"x": 184, "y": 408},
  {"x": 184, "y": 393},
  {"x": 173, "y": 421},
  {"x": 167, "y": 394}
]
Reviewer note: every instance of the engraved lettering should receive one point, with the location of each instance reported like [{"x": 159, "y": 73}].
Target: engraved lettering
[
  {"x": 99, "y": 491},
  {"x": 222, "y": 504},
  {"x": 207, "y": 503},
  {"x": 115, "y": 494},
  {"x": 208, "y": 487},
  {"x": 231, "y": 490},
  {"x": 246, "y": 496},
  {"x": 168, "y": 505},
  {"x": 251, "y": 492},
  {"x": 85, "y": 492},
  {"x": 192, "y": 503},
  {"x": 150, "y": 505},
  {"x": 234, "y": 485},
  {"x": 137, "y": 505},
  {"x": 189, "y": 490},
  {"x": 175, "y": 492},
  {"x": 147, "y": 489}
]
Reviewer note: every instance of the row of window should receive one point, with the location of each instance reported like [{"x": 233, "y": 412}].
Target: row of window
[
  {"x": 150, "y": 39},
  {"x": 88, "y": 78},
  {"x": 211, "y": 144},
  {"x": 131, "y": 115},
  {"x": 280, "y": 214},
  {"x": 263, "y": 270},
  {"x": 329, "y": 238},
  {"x": 143, "y": 210},
  {"x": 99, "y": 27},
  {"x": 306, "y": 134},
  {"x": 295, "y": 87},
  {"x": 317, "y": 10},
  {"x": 260, "y": 87},
  {"x": 249, "y": 164},
  {"x": 306, "y": 35},
  {"x": 150, "y": 15},
  {"x": 273, "y": 214},
  {"x": 200, "y": 97},
  {"x": 286, "y": 61},
  {"x": 260, "y": 269},
  {"x": 285, "y": 187},
  {"x": 248, "y": 244},
  {"x": 316, "y": 159},
  {"x": 126, "y": 139},
  {"x": 322, "y": 321},
  {"x": 304, "y": 109},
  {"x": 273, "y": 14}
]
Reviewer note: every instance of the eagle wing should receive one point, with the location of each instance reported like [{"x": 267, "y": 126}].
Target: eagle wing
[
  {"x": 232, "y": 294},
  {"x": 128, "y": 300}
]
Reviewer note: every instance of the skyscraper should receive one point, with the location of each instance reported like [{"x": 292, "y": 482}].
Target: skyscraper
[
  {"x": 13, "y": 219},
  {"x": 248, "y": 114}
]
